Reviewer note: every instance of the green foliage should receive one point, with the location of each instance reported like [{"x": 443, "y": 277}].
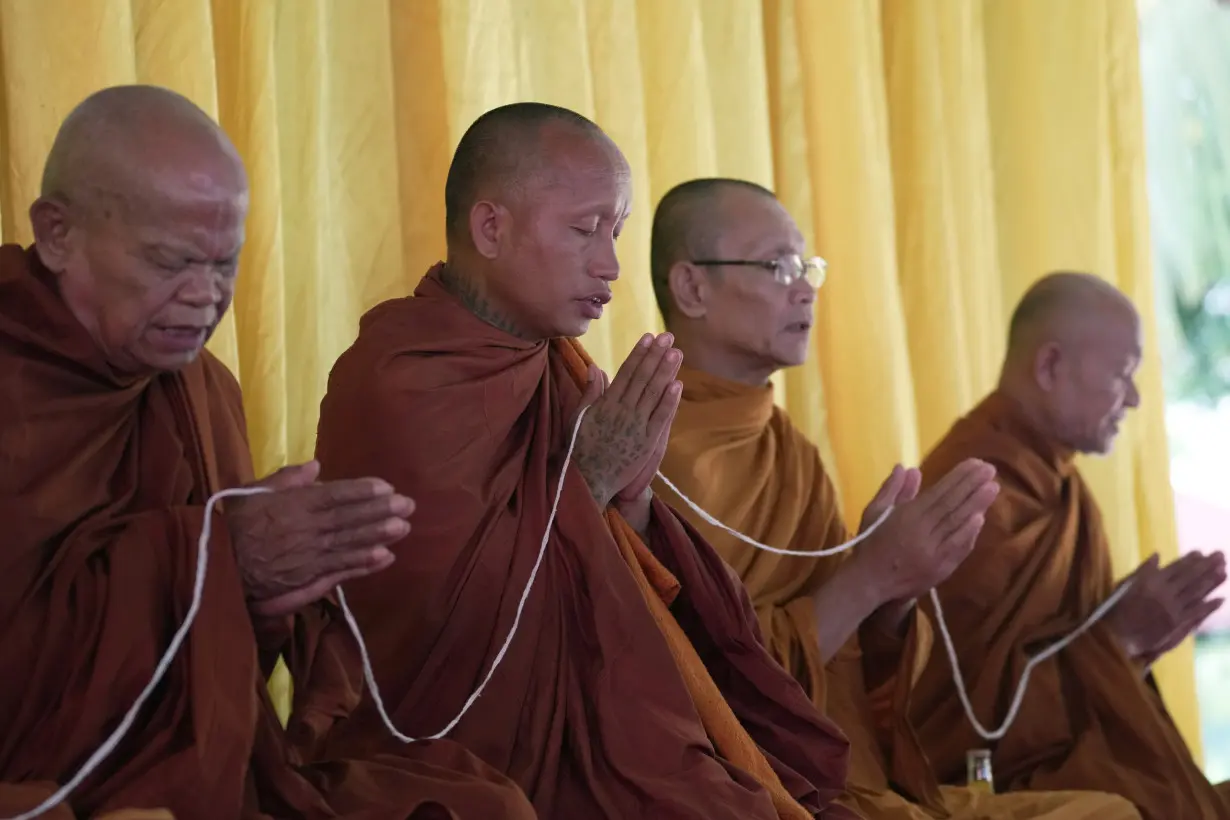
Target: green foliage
[{"x": 1185, "y": 65}]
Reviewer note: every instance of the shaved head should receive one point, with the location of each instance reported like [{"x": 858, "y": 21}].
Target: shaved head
[
  {"x": 535, "y": 200},
  {"x": 501, "y": 152},
  {"x": 140, "y": 220},
  {"x": 116, "y": 144},
  {"x": 1059, "y": 305},
  {"x": 687, "y": 224},
  {"x": 1073, "y": 349}
]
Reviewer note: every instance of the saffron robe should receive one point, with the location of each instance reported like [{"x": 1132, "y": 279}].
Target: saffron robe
[
  {"x": 636, "y": 683},
  {"x": 103, "y": 484},
  {"x": 742, "y": 460},
  {"x": 1090, "y": 718}
]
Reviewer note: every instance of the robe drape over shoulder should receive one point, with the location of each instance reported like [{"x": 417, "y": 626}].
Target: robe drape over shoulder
[
  {"x": 103, "y": 484},
  {"x": 739, "y": 457},
  {"x": 1090, "y": 718},
  {"x": 636, "y": 684}
]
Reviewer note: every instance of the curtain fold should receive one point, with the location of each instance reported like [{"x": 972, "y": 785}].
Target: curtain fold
[{"x": 940, "y": 155}]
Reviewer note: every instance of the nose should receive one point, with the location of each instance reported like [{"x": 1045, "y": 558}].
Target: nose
[
  {"x": 203, "y": 287},
  {"x": 801, "y": 292},
  {"x": 605, "y": 263}
]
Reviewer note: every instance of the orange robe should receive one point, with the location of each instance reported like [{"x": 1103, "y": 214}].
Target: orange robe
[
  {"x": 739, "y": 457},
  {"x": 1090, "y": 718},
  {"x": 636, "y": 684},
  {"x": 103, "y": 482}
]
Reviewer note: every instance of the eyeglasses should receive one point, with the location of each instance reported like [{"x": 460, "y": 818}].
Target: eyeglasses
[{"x": 786, "y": 270}]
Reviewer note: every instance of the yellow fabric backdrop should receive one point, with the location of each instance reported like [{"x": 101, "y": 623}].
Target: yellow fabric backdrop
[{"x": 941, "y": 154}]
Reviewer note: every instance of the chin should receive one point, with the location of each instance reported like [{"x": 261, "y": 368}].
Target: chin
[{"x": 572, "y": 330}]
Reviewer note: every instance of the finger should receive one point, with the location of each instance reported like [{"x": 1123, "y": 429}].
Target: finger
[
  {"x": 296, "y": 475},
  {"x": 659, "y": 423},
  {"x": 344, "y": 541},
  {"x": 954, "y": 490},
  {"x": 361, "y": 514},
  {"x": 332, "y": 494},
  {"x": 1148, "y": 568},
  {"x": 957, "y": 547},
  {"x": 1195, "y": 587},
  {"x": 291, "y": 602},
  {"x": 974, "y": 506},
  {"x": 659, "y": 381},
  {"x": 890, "y": 489},
  {"x": 1192, "y": 622},
  {"x": 910, "y": 486},
  {"x": 622, "y": 376},
  {"x": 594, "y": 387},
  {"x": 639, "y": 379}
]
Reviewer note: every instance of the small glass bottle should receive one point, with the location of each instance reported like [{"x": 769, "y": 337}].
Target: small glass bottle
[{"x": 978, "y": 770}]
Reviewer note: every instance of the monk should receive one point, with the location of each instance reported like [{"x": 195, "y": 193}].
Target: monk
[
  {"x": 736, "y": 289},
  {"x": 116, "y": 429},
  {"x": 634, "y": 682},
  {"x": 1092, "y": 717}
]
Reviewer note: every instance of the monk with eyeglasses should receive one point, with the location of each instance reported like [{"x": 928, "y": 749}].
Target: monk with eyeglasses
[{"x": 737, "y": 290}]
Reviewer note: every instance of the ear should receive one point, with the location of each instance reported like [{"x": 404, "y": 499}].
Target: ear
[
  {"x": 52, "y": 225},
  {"x": 1046, "y": 365},
  {"x": 690, "y": 289},
  {"x": 487, "y": 227}
]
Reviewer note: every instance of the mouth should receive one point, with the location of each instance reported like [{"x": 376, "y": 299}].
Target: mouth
[
  {"x": 591, "y": 306},
  {"x": 798, "y": 327},
  {"x": 180, "y": 338}
]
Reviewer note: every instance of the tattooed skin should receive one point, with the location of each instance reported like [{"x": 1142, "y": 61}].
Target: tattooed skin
[
  {"x": 611, "y": 440},
  {"x": 477, "y": 303}
]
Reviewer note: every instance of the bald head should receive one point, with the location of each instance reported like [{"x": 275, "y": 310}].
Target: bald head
[
  {"x": 1060, "y": 305},
  {"x": 141, "y": 221},
  {"x": 687, "y": 225},
  {"x": 121, "y": 142},
  {"x": 502, "y": 151},
  {"x": 1073, "y": 349}
]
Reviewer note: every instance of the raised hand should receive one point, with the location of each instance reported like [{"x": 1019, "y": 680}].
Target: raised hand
[
  {"x": 294, "y": 544},
  {"x": 927, "y": 537},
  {"x": 622, "y": 438},
  {"x": 1165, "y": 605}
]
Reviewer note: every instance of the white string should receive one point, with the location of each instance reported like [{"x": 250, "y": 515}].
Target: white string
[
  {"x": 953, "y": 662},
  {"x": 117, "y": 735},
  {"x": 370, "y": 676},
  {"x": 840, "y": 548},
  {"x": 1018, "y": 698}
]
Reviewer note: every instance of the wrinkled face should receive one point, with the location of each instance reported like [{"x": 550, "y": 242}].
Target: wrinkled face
[
  {"x": 149, "y": 274},
  {"x": 556, "y": 250},
  {"x": 1093, "y": 384},
  {"x": 747, "y": 311}
]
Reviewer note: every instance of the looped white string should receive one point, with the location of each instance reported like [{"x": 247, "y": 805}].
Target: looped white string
[
  {"x": 840, "y": 548},
  {"x": 953, "y": 662},
  {"x": 117, "y": 735},
  {"x": 1034, "y": 660},
  {"x": 370, "y": 676}
]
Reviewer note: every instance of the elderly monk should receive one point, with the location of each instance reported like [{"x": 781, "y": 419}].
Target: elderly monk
[
  {"x": 116, "y": 429},
  {"x": 636, "y": 684},
  {"x": 1091, "y": 717},
  {"x": 735, "y": 288}
]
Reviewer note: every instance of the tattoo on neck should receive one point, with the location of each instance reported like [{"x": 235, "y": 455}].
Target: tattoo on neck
[{"x": 477, "y": 303}]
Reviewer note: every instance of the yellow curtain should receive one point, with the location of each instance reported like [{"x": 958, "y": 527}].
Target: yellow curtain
[{"x": 941, "y": 154}]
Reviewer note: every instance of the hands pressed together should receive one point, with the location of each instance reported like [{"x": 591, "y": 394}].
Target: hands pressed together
[
  {"x": 297, "y": 542},
  {"x": 624, "y": 433},
  {"x": 1166, "y": 604}
]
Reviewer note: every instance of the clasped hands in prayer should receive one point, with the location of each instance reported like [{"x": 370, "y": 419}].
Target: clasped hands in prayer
[
  {"x": 624, "y": 433},
  {"x": 300, "y": 540},
  {"x": 1166, "y": 604}
]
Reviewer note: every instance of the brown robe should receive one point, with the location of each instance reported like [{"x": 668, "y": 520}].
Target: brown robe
[
  {"x": 739, "y": 457},
  {"x": 1090, "y": 718},
  {"x": 103, "y": 481},
  {"x": 636, "y": 684}
]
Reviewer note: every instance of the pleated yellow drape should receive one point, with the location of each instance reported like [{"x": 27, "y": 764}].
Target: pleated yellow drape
[{"x": 941, "y": 154}]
